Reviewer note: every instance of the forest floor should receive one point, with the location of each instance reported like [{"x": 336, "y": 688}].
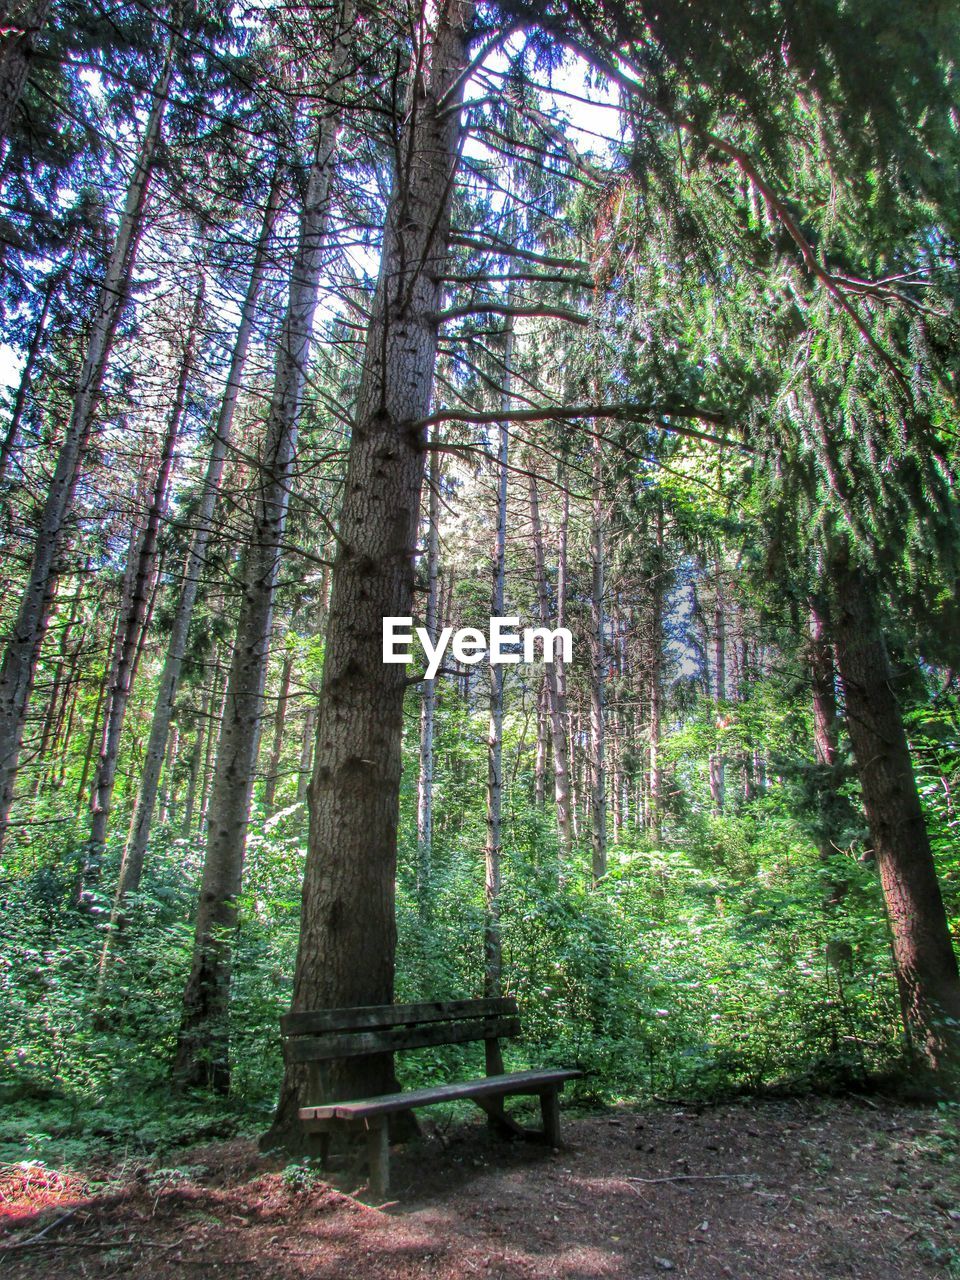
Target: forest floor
[{"x": 794, "y": 1189}]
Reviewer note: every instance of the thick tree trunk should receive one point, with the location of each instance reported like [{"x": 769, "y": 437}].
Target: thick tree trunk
[
  {"x": 428, "y": 705},
  {"x": 923, "y": 954},
  {"x": 131, "y": 868},
  {"x": 134, "y": 624},
  {"x": 23, "y": 646},
  {"x": 348, "y": 925},
  {"x": 598, "y": 671},
  {"x": 492, "y": 946},
  {"x": 202, "y": 1057},
  {"x": 558, "y": 727}
]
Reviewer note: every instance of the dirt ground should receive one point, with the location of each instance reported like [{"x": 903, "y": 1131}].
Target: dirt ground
[{"x": 798, "y": 1189}]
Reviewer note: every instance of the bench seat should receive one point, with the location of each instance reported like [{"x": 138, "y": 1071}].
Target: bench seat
[{"x": 510, "y": 1084}]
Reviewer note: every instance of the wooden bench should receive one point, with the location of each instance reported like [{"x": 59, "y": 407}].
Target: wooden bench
[{"x": 334, "y": 1034}]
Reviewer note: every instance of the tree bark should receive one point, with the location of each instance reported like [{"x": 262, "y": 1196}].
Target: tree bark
[
  {"x": 202, "y": 1057},
  {"x": 348, "y": 925},
  {"x": 924, "y": 959},
  {"x": 20, "y": 657}
]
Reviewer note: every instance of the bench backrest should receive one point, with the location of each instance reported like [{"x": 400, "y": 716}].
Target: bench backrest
[{"x": 328, "y": 1034}]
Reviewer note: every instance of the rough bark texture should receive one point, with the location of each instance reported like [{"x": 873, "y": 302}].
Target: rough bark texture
[
  {"x": 202, "y": 1056},
  {"x": 131, "y": 868},
  {"x": 924, "y": 958},
  {"x": 23, "y": 646},
  {"x": 348, "y": 926}
]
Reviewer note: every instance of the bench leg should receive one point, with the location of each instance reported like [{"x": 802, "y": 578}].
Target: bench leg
[
  {"x": 550, "y": 1110},
  {"x": 497, "y": 1119},
  {"x": 378, "y": 1155}
]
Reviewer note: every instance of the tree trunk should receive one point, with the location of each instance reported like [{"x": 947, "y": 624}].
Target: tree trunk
[
  {"x": 923, "y": 954},
  {"x": 558, "y": 728},
  {"x": 168, "y": 796},
  {"x": 94, "y": 725},
  {"x": 428, "y": 705},
  {"x": 540, "y": 758},
  {"x": 196, "y": 764},
  {"x": 23, "y": 646},
  {"x": 131, "y": 868},
  {"x": 306, "y": 753},
  {"x": 218, "y": 700},
  {"x": 134, "y": 623},
  {"x": 279, "y": 722},
  {"x": 717, "y": 762},
  {"x": 349, "y": 886},
  {"x": 492, "y": 947},
  {"x": 202, "y": 1057},
  {"x": 598, "y": 660}
]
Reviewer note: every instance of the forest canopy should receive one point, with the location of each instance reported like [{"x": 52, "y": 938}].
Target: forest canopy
[{"x": 629, "y": 320}]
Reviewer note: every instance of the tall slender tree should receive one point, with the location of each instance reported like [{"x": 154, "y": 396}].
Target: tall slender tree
[{"x": 202, "y": 1056}]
